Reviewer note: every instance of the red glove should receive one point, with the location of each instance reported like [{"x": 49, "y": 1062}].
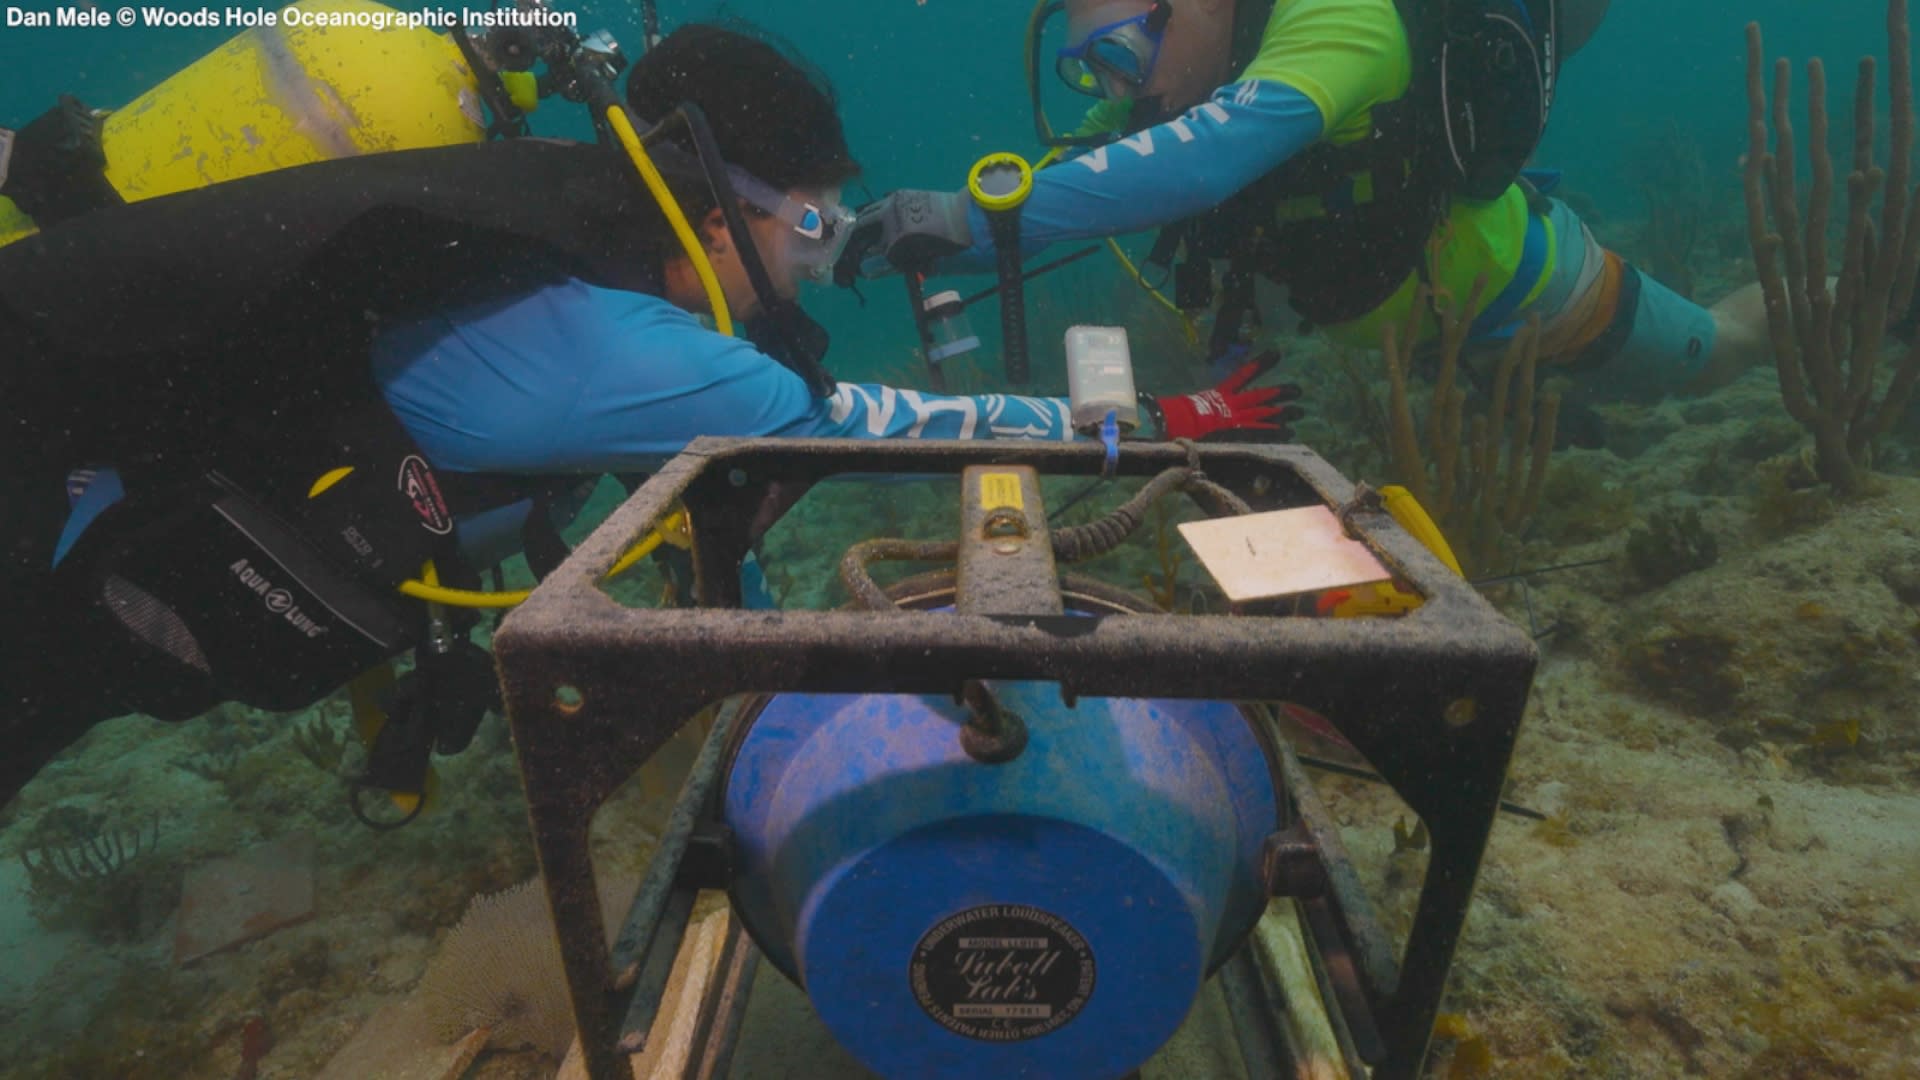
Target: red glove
[{"x": 1230, "y": 408}]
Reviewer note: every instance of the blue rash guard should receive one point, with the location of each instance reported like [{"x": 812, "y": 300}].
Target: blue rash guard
[
  {"x": 575, "y": 378},
  {"x": 1216, "y": 149},
  {"x": 580, "y": 379},
  {"x": 1321, "y": 68}
]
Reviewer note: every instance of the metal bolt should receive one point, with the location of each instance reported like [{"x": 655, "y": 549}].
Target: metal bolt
[
  {"x": 1007, "y": 528},
  {"x": 1460, "y": 712},
  {"x": 1004, "y": 522},
  {"x": 737, "y": 477},
  {"x": 1290, "y": 865}
]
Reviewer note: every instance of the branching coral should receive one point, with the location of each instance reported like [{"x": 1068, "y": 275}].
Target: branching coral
[
  {"x": 1827, "y": 341},
  {"x": 1481, "y": 475}
]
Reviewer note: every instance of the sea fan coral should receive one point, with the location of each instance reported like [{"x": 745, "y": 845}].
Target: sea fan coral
[{"x": 500, "y": 969}]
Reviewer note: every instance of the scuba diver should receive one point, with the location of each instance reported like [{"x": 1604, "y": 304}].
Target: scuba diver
[
  {"x": 1349, "y": 151},
  {"x": 243, "y": 420}
]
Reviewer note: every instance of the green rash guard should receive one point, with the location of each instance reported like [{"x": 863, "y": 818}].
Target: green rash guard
[{"x": 1346, "y": 57}]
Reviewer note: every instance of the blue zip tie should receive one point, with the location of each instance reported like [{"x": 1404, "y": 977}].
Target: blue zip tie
[{"x": 1110, "y": 436}]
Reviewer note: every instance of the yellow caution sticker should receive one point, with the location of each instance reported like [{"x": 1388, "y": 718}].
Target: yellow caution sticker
[{"x": 1001, "y": 490}]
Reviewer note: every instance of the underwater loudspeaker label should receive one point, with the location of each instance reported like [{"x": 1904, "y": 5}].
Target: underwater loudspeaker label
[{"x": 1002, "y": 973}]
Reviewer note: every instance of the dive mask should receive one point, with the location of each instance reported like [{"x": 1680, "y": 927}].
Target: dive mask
[
  {"x": 1116, "y": 60},
  {"x": 819, "y": 233}
]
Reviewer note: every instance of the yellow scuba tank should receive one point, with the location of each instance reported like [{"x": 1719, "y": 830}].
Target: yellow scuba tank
[{"x": 274, "y": 97}]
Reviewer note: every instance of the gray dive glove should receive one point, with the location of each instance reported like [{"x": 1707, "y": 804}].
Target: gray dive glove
[{"x": 906, "y": 230}]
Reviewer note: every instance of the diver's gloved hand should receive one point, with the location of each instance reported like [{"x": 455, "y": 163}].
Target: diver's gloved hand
[
  {"x": 907, "y": 230},
  {"x": 1230, "y": 411},
  {"x": 1223, "y": 364},
  {"x": 55, "y": 167}
]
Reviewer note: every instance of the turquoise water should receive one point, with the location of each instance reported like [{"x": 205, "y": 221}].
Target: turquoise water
[
  {"x": 1720, "y": 740},
  {"x": 919, "y": 109},
  {"x": 928, "y": 88},
  {"x": 1653, "y": 62}
]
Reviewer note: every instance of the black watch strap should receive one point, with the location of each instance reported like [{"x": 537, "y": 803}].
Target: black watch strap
[{"x": 1151, "y": 412}]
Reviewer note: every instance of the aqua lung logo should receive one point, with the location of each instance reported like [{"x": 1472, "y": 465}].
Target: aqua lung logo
[
  {"x": 420, "y": 488},
  {"x": 278, "y": 600}
]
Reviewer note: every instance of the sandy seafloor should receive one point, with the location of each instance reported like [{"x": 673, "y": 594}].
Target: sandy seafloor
[{"x": 1726, "y": 886}]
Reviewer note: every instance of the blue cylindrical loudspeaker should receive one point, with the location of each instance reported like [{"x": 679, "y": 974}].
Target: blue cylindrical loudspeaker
[{"x": 1049, "y": 916}]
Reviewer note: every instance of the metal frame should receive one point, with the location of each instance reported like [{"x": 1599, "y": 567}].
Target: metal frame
[{"x": 1432, "y": 699}]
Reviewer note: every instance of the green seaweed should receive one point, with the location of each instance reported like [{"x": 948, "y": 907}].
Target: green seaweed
[
  {"x": 1670, "y": 545},
  {"x": 1696, "y": 669},
  {"x": 1788, "y": 495},
  {"x": 1812, "y": 1025},
  {"x": 1581, "y": 502},
  {"x": 1877, "y": 660},
  {"x": 216, "y": 766},
  {"x": 1555, "y": 831},
  {"x": 1471, "y": 1057},
  {"x": 1841, "y": 734},
  {"x": 147, "y": 1026},
  {"x": 322, "y": 742}
]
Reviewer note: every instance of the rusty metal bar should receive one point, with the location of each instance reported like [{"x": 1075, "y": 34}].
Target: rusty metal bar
[{"x": 1432, "y": 699}]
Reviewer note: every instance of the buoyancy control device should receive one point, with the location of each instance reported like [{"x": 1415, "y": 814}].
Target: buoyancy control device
[
  {"x": 273, "y": 507},
  {"x": 1476, "y": 107}
]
